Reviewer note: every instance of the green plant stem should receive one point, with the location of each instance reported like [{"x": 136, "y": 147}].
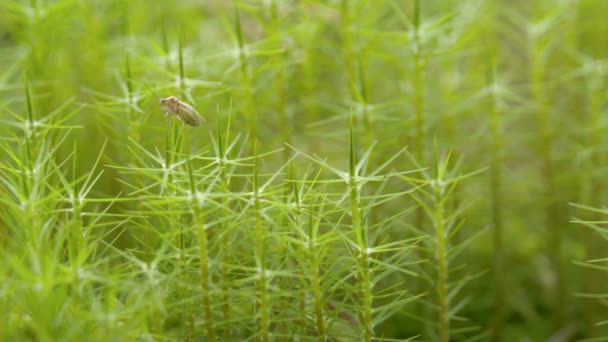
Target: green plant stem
[
  {"x": 75, "y": 225},
  {"x": 442, "y": 276},
  {"x": 173, "y": 147},
  {"x": 263, "y": 309},
  {"x": 280, "y": 84},
  {"x": 364, "y": 273},
  {"x": 441, "y": 246},
  {"x": 299, "y": 218},
  {"x": 496, "y": 180},
  {"x": 368, "y": 125},
  {"x": 309, "y": 79},
  {"x": 315, "y": 277},
  {"x": 497, "y": 221},
  {"x": 418, "y": 87},
  {"x": 246, "y": 78},
  {"x": 348, "y": 50},
  {"x": 27, "y": 174},
  {"x": 363, "y": 265},
  {"x": 552, "y": 214},
  {"x": 593, "y": 188},
  {"x": 225, "y": 272},
  {"x": 225, "y": 255},
  {"x": 419, "y": 133},
  {"x": 201, "y": 235}
]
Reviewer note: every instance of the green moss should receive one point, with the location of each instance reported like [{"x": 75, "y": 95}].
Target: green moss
[{"x": 319, "y": 199}]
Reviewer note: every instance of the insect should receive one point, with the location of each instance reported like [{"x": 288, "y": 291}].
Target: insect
[{"x": 184, "y": 111}]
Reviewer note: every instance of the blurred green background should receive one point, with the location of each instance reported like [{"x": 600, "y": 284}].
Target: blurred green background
[{"x": 514, "y": 89}]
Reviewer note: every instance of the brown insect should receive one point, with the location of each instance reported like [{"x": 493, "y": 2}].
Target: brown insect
[{"x": 184, "y": 111}]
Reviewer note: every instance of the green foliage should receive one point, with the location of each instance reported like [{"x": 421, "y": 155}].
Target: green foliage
[{"x": 368, "y": 170}]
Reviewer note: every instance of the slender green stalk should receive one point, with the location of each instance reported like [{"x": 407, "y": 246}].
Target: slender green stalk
[
  {"x": 418, "y": 83},
  {"x": 496, "y": 180},
  {"x": 280, "y": 82},
  {"x": 441, "y": 258},
  {"x": 594, "y": 185},
  {"x": 355, "y": 73},
  {"x": 164, "y": 39},
  {"x": 315, "y": 276},
  {"x": 182, "y": 67},
  {"x": 225, "y": 186},
  {"x": 299, "y": 217},
  {"x": 203, "y": 253},
  {"x": 185, "y": 137},
  {"x": 263, "y": 308},
  {"x": 551, "y": 211},
  {"x": 364, "y": 272},
  {"x": 75, "y": 234},
  {"x": 27, "y": 173},
  {"x": 348, "y": 49},
  {"x": 133, "y": 129},
  {"x": 451, "y": 81},
  {"x": 309, "y": 86},
  {"x": 497, "y": 217},
  {"x": 368, "y": 126},
  {"x": 173, "y": 146},
  {"x": 419, "y": 132},
  {"x": 246, "y": 77},
  {"x": 358, "y": 86},
  {"x": 29, "y": 126}
]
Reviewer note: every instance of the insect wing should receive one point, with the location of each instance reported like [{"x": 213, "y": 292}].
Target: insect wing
[{"x": 188, "y": 114}]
